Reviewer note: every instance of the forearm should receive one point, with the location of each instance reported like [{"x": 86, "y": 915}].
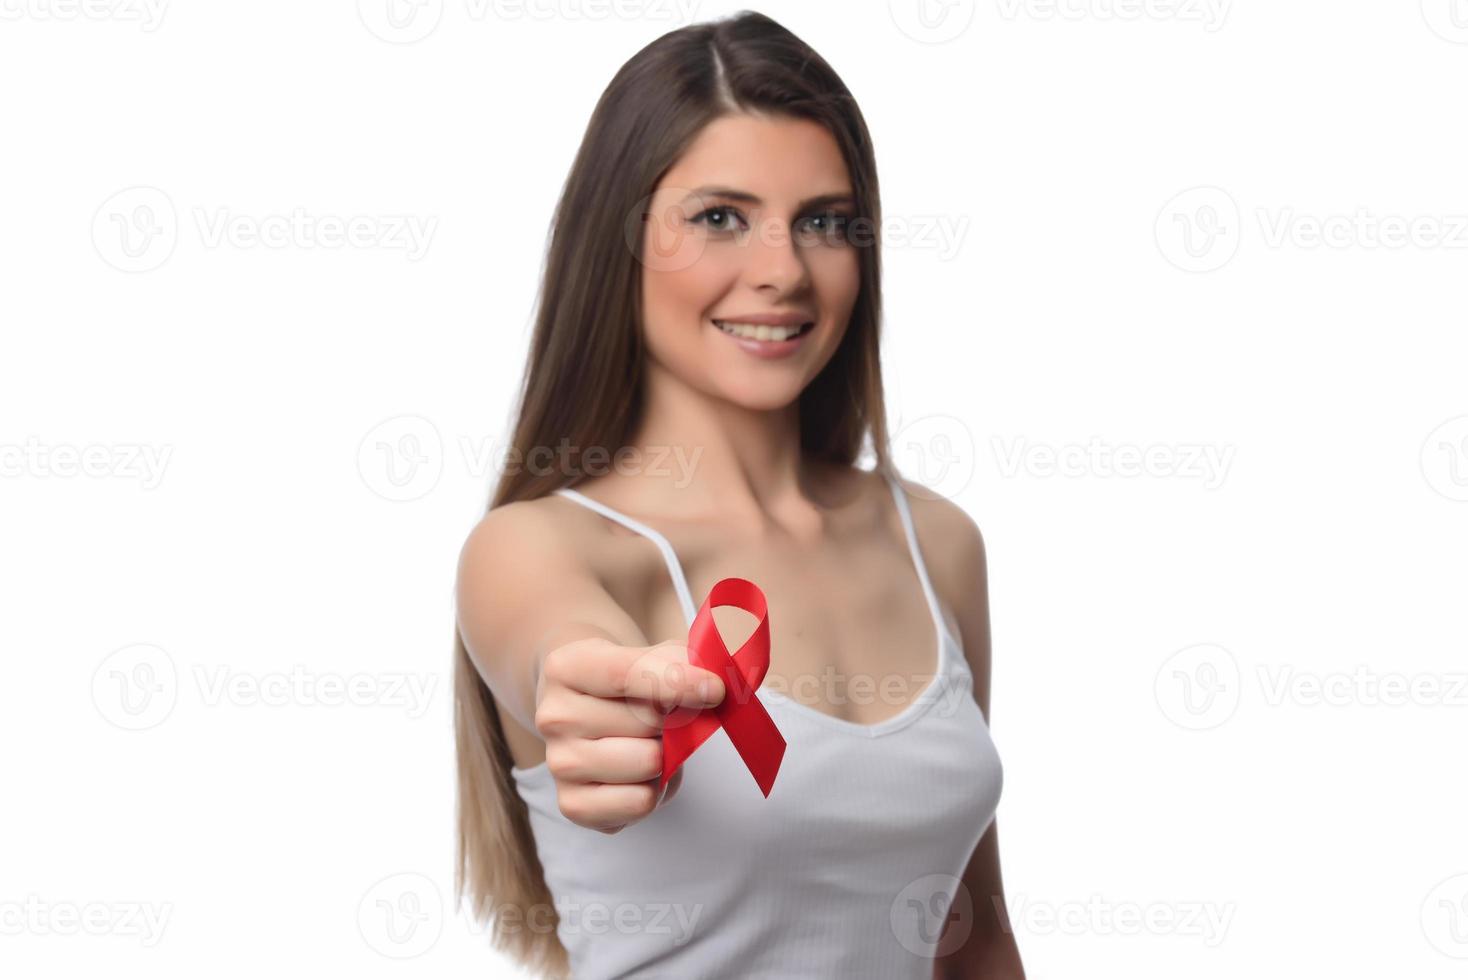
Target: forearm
[
  {"x": 991, "y": 957},
  {"x": 985, "y": 950}
]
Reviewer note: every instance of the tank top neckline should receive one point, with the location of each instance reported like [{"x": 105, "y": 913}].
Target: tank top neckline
[{"x": 949, "y": 649}]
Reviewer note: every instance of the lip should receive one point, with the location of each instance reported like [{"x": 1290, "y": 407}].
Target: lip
[
  {"x": 769, "y": 319},
  {"x": 767, "y": 349}
]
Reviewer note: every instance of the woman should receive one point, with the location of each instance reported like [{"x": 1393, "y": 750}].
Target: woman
[{"x": 705, "y": 370}]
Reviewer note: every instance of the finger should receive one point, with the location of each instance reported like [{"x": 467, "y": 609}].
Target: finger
[
  {"x": 573, "y": 713},
  {"x": 606, "y": 760},
  {"x": 606, "y": 806},
  {"x": 659, "y": 674}
]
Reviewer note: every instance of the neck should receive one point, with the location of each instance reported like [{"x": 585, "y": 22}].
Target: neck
[{"x": 699, "y": 456}]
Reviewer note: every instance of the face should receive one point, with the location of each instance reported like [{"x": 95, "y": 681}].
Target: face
[{"x": 743, "y": 244}]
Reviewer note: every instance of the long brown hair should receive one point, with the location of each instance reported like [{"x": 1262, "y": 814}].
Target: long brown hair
[{"x": 583, "y": 380}]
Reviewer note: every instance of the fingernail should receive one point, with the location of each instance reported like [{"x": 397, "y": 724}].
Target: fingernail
[{"x": 705, "y": 689}]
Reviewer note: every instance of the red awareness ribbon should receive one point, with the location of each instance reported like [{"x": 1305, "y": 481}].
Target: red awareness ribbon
[{"x": 741, "y": 714}]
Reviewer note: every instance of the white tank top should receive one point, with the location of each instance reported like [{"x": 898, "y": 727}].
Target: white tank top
[{"x": 847, "y": 869}]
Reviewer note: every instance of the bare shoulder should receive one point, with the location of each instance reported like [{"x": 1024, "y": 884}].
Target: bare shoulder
[
  {"x": 954, "y": 551},
  {"x": 524, "y": 586},
  {"x": 953, "y": 545},
  {"x": 515, "y": 551}
]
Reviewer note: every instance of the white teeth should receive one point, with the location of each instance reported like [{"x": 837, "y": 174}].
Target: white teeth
[{"x": 755, "y": 331}]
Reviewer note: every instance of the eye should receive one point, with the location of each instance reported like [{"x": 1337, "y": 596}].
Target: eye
[
  {"x": 720, "y": 218},
  {"x": 830, "y": 226}
]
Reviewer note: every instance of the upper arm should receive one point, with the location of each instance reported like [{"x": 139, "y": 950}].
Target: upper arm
[
  {"x": 972, "y": 580},
  {"x": 958, "y": 567},
  {"x": 523, "y": 588}
]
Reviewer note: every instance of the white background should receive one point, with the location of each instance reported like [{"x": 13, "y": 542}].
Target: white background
[{"x": 286, "y": 443}]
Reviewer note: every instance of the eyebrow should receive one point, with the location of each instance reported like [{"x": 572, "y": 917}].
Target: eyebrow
[{"x": 748, "y": 198}]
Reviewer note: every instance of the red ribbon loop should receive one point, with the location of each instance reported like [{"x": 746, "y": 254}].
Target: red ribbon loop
[{"x": 741, "y": 714}]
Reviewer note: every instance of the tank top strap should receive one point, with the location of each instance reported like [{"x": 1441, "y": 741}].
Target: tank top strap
[
  {"x": 670, "y": 557},
  {"x": 680, "y": 581},
  {"x": 899, "y": 494}
]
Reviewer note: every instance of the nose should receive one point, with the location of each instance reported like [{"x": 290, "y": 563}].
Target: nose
[{"x": 774, "y": 259}]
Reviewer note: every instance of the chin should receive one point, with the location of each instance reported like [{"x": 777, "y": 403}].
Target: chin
[{"x": 768, "y": 397}]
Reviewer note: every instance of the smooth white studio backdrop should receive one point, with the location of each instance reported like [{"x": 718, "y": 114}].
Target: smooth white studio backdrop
[{"x": 1174, "y": 309}]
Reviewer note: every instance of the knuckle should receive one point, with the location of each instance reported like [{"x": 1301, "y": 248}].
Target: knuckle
[
  {"x": 554, "y": 665},
  {"x": 560, "y": 759},
  {"x": 549, "y": 720},
  {"x": 671, "y": 679},
  {"x": 574, "y": 810},
  {"x": 615, "y": 674}
]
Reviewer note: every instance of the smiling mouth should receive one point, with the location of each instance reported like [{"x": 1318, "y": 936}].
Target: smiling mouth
[{"x": 751, "y": 331}]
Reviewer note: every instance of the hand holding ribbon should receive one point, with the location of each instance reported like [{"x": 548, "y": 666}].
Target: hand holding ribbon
[{"x": 741, "y": 714}]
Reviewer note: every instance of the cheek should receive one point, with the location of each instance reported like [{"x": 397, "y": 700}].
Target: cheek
[
  {"x": 675, "y": 300},
  {"x": 836, "y": 277}
]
